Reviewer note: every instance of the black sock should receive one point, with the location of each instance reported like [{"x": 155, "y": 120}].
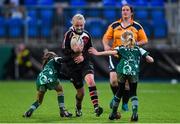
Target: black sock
[
  {"x": 125, "y": 97},
  {"x": 114, "y": 89}
]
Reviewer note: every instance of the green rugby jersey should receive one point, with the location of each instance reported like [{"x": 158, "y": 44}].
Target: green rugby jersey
[
  {"x": 50, "y": 72},
  {"x": 130, "y": 59}
]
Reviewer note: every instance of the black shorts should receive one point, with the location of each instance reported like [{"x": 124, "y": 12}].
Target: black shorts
[
  {"x": 78, "y": 72},
  {"x": 113, "y": 62}
]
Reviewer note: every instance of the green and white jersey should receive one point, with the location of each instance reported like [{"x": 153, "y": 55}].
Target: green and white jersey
[
  {"x": 50, "y": 72},
  {"x": 130, "y": 59}
]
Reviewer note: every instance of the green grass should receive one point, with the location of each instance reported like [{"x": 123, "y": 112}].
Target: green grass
[{"x": 158, "y": 103}]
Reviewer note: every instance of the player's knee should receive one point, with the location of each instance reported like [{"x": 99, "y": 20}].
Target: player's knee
[
  {"x": 59, "y": 89},
  {"x": 80, "y": 93},
  {"x": 59, "y": 93},
  {"x": 41, "y": 93},
  {"x": 90, "y": 81},
  {"x": 114, "y": 83},
  {"x": 40, "y": 101},
  {"x": 127, "y": 86}
]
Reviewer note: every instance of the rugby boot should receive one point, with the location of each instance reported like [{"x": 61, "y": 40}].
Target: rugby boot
[
  {"x": 78, "y": 112},
  {"x": 125, "y": 107},
  {"x": 65, "y": 113},
  {"x": 134, "y": 117},
  {"x": 99, "y": 111},
  {"x": 113, "y": 116},
  {"x": 28, "y": 113}
]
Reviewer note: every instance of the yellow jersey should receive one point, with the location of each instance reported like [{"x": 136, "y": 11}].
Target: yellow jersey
[{"x": 115, "y": 30}]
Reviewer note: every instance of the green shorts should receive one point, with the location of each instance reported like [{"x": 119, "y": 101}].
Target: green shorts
[
  {"x": 49, "y": 86},
  {"x": 131, "y": 78}
]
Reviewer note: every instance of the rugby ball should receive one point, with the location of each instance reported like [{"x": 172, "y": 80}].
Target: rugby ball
[{"x": 77, "y": 43}]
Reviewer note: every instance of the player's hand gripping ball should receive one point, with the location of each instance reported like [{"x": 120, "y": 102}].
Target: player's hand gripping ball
[{"x": 77, "y": 43}]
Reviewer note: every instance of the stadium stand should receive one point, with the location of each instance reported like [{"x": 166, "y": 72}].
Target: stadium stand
[
  {"x": 30, "y": 2},
  {"x": 46, "y": 16},
  {"x": 45, "y": 2},
  {"x": 45, "y": 31},
  {"x": 15, "y": 27},
  {"x": 159, "y": 23},
  {"x": 142, "y": 3},
  {"x": 109, "y": 2},
  {"x": 77, "y": 10},
  {"x": 141, "y": 14},
  {"x": 94, "y": 12},
  {"x": 78, "y": 2},
  {"x": 33, "y": 28},
  {"x": 32, "y": 13},
  {"x": 156, "y": 3},
  {"x": 160, "y": 29},
  {"x": 96, "y": 27},
  {"x": 42, "y": 18},
  {"x": 148, "y": 27},
  {"x": 109, "y": 14},
  {"x": 3, "y": 28}
]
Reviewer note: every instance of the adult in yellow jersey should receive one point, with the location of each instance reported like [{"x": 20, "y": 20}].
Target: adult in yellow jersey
[{"x": 114, "y": 34}]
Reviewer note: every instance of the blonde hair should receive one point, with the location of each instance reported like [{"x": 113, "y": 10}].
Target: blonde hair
[
  {"x": 128, "y": 39},
  {"x": 131, "y": 43},
  {"x": 77, "y": 17}
]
